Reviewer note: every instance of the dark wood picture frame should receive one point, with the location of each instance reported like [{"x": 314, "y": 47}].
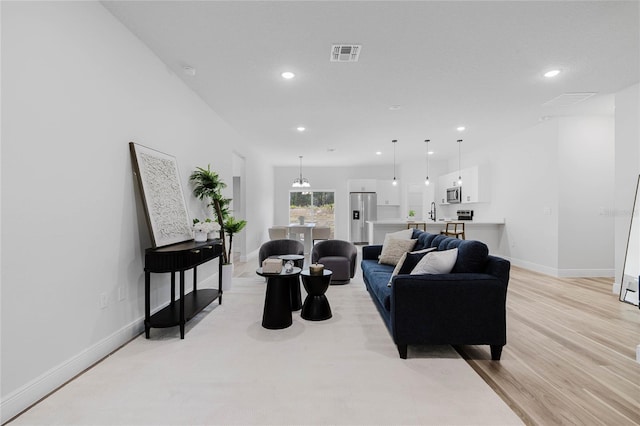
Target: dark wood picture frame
[{"x": 162, "y": 196}]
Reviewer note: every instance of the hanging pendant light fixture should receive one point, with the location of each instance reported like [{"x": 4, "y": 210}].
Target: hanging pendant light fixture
[
  {"x": 300, "y": 182},
  {"x": 459, "y": 157},
  {"x": 426, "y": 181},
  {"x": 395, "y": 181}
]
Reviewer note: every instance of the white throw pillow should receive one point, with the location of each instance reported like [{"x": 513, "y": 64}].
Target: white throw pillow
[
  {"x": 436, "y": 262},
  {"x": 393, "y": 250},
  {"x": 397, "y": 268},
  {"x": 403, "y": 259}
]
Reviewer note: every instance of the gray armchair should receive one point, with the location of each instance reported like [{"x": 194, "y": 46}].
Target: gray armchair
[
  {"x": 275, "y": 248},
  {"x": 338, "y": 256}
]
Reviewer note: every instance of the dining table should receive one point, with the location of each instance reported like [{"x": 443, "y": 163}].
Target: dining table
[{"x": 302, "y": 232}]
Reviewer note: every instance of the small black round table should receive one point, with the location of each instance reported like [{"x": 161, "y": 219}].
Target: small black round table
[
  {"x": 296, "y": 297},
  {"x": 277, "y": 299},
  {"x": 316, "y": 306}
]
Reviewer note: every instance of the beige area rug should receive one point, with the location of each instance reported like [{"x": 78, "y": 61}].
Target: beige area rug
[{"x": 230, "y": 370}]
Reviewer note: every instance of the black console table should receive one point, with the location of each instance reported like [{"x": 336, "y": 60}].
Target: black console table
[{"x": 179, "y": 258}]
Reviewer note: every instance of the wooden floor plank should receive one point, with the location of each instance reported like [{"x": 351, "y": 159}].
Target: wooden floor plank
[{"x": 570, "y": 354}]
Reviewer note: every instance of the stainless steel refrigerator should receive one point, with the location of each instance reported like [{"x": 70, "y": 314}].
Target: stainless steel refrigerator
[{"x": 363, "y": 206}]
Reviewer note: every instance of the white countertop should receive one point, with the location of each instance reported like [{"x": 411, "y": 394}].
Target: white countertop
[{"x": 430, "y": 222}]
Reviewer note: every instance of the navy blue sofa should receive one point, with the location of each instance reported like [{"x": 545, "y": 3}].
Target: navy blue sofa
[{"x": 464, "y": 307}]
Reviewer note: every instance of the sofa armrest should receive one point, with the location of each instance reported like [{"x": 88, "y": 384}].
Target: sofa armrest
[
  {"x": 499, "y": 268},
  {"x": 371, "y": 252},
  {"x": 461, "y": 308}
]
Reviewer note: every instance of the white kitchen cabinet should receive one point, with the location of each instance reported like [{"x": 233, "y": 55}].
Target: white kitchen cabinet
[
  {"x": 449, "y": 180},
  {"x": 472, "y": 182},
  {"x": 388, "y": 195},
  {"x": 362, "y": 185}
]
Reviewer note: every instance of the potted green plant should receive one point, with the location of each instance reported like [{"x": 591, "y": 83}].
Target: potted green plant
[
  {"x": 412, "y": 214},
  {"x": 232, "y": 226},
  {"x": 207, "y": 185}
]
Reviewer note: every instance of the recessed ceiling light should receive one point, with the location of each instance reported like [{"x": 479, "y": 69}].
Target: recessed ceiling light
[
  {"x": 551, "y": 73},
  {"x": 301, "y": 128},
  {"x": 331, "y": 149},
  {"x": 287, "y": 75},
  {"x": 378, "y": 153},
  {"x": 460, "y": 128},
  {"x": 395, "y": 107},
  {"x": 430, "y": 152}
]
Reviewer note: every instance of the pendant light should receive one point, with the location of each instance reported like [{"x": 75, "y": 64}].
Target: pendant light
[
  {"x": 459, "y": 157},
  {"x": 395, "y": 181},
  {"x": 426, "y": 181},
  {"x": 300, "y": 182}
]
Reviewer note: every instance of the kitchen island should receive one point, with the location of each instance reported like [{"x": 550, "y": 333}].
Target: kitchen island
[{"x": 489, "y": 232}]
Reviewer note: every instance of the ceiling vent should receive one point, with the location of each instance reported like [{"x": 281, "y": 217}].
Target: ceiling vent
[
  {"x": 568, "y": 99},
  {"x": 345, "y": 52}
]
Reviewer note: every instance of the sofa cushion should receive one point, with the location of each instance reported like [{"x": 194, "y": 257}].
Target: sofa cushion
[
  {"x": 424, "y": 240},
  {"x": 412, "y": 258},
  {"x": 377, "y": 277},
  {"x": 472, "y": 255},
  {"x": 436, "y": 262},
  {"x": 408, "y": 261},
  {"x": 393, "y": 249}
]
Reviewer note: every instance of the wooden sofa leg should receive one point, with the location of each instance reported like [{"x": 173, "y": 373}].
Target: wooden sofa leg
[
  {"x": 402, "y": 350},
  {"x": 496, "y": 352}
]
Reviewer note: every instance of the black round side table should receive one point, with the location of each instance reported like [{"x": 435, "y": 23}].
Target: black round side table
[
  {"x": 277, "y": 299},
  {"x": 316, "y": 306},
  {"x": 296, "y": 297}
]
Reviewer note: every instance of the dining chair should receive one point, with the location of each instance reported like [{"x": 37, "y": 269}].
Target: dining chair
[{"x": 278, "y": 233}]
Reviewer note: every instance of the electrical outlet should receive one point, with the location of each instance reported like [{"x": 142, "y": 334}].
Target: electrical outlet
[
  {"x": 121, "y": 293},
  {"x": 104, "y": 300}
]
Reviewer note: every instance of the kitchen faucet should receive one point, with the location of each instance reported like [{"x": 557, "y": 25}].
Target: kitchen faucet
[{"x": 432, "y": 212}]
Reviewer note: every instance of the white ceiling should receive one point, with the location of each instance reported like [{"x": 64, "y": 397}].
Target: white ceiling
[{"x": 474, "y": 63}]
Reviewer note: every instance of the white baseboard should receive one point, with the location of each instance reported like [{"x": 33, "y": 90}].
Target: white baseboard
[
  {"x": 562, "y": 273},
  {"x": 32, "y": 392},
  {"x": 534, "y": 267},
  {"x": 576, "y": 273}
]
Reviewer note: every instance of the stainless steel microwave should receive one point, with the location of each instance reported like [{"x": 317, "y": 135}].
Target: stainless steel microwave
[{"x": 454, "y": 195}]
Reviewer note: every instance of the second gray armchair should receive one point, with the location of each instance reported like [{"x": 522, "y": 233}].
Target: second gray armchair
[{"x": 338, "y": 256}]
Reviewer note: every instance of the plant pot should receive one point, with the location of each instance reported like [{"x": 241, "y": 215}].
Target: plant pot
[
  {"x": 200, "y": 236},
  {"x": 213, "y": 235},
  {"x": 227, "y": 276}
]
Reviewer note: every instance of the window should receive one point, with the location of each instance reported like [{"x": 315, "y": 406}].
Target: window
[{"x": 315, "y": 206}]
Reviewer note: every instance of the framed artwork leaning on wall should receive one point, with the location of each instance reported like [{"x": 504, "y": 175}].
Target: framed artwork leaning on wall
[{"x": 162, "y": 196}]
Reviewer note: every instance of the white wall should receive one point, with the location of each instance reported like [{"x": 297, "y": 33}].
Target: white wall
[
  {"x": 523, "y": 173},
  {"x": 627, "y": 169},
  {"x": 586, "y": 181},
  {"x": 76, "y": 88}
]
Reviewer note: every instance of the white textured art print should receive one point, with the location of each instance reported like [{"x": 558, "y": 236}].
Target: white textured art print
[{"x": 164, "y": 200}]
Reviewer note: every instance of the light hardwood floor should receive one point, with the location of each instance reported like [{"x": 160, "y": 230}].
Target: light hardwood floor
[{"x": 570, "y": 353}]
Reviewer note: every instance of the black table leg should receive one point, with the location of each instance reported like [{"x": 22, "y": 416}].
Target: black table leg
[
  {"x": 147, "y": 304},
  {"x": 182, "y": 321},
  {"x": 277, "y": 303},
  {"x": 296, "y": 296}
]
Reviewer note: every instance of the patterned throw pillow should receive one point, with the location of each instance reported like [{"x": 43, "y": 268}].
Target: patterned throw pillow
[
  {"x": 437, "y": 262},
  {"x": 392, "y": 250}
]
